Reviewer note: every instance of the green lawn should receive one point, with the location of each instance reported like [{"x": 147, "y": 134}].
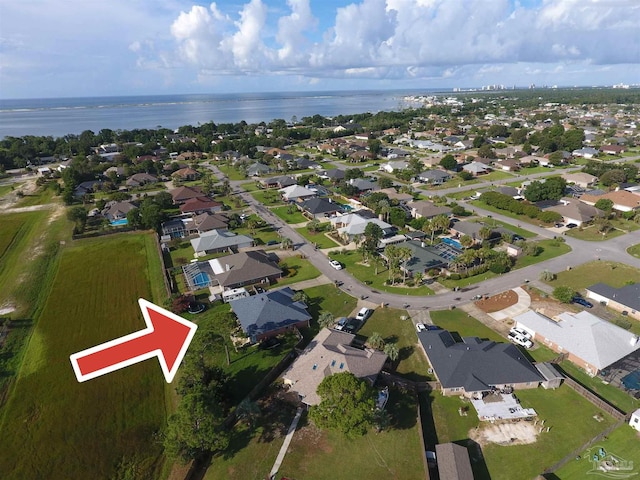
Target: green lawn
[
  {"x": 506, "y": 213},
  {"x": 464, "y": 324},
  {"x": 295, "y": 270},
  {"x": 412, "y": 362},
  {"x": 634, "y": 250},
  {"x": 499, "y": 223},
  {"x": 260, "y": 235},
  {"x": 367, "y": 274},
  {"x": 93, "y": 299},
  {"x": 495, "y": 175},
  {"x": 327, "y": 298},
  {"x": 551, "y": 248},
  {"x": 268, "y": 197},
  {"x": 615, "y": 274},
  {"x": 318, "y": 238},
  {"x": 326, "y": 455},
  {"x": 590, "y": 234},
  {"x": 294, "y": 217},
  {"x": 42, "y": 195},
  {"x": 232, "y": 173},
  {"x": 250, "y": 186},
  {"x": 4, "y": 189},
  {"x": 622, "y": 443}
]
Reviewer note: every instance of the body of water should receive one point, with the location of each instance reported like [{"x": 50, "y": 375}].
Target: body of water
[{"x": 61, "y": 116}]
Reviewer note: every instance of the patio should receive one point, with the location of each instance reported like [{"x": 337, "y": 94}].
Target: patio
[{"x": 499, "y": 406}]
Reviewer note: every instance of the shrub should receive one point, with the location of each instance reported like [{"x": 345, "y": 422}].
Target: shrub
[
  {"x": 454, "y": 276},
  {"x": 563, "y": 293}
]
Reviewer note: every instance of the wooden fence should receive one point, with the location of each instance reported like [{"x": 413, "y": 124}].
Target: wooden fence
[
  {"x": 595, "y": 399},
  {"x": 423, "y": 446}
]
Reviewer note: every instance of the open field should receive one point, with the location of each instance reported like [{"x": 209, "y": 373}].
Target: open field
[
  {"x": 231, "y": 172},
  {"x": 70, "y": 425},
  {"x": 294, "y": 217},
  {"x": 42, "y": 195},
  {"x": 394, "y": 453},
  {"x": 569, "y": 416},
  {"x": 366, "y": 274},
  {"x": 582, "y": 276},
  {"x": 590, "y": 234},
  {"x": 411, "y": 362},
  {"x": 622, "y": 442},
  {"x": 318, "y": 238}
]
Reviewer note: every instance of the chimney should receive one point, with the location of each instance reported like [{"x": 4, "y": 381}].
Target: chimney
[
  {"x": 422, "y": 244},
  {"x": 634, "y": 340},
  {"x": 227, "y": 267}
]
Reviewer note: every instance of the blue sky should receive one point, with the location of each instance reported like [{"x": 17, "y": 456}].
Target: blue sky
[{"x": 52, "y": 48}]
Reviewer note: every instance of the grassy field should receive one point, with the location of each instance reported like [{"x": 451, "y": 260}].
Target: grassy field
[
  {"x": 611, "y": 273},
  {"x": 295, "y": 217},
  {"x": 318, "y": 238},
  {"x": 464, "y": 324},
  {"x": 366, "y": 274},
  {"x": 325, "y": 455},
  {"x": 295, "y": 269},
  {"x": 71, "y": 425},
  {"x": 327, "y": 298},
  {"x": 590, "y": 234},
  {"x": 569, "y": 416},
  {"x": 411, "y": 362},
  {"x": 42, "y": 195},
  {"x": 634, "y": 250},
  {"x": 4, "y": 189},
  {"x": 268, "y": 197},
  {"x": 622, "y": 442},
  {"x": 231, "y": 172}
]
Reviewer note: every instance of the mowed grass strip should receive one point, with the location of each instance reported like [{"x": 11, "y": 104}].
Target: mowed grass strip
[{"x": 55, "y": 427}]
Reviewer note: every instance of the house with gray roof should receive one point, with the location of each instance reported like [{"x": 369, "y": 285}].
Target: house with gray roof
[
  {"x": 330, "y": 352},
  {"x": 588, "y": 341},
  {"x": 244, "y": 268},
  {"x": 319, "y": 208},
  {"x": 333, "y": 174},
  {"x": 294, "y": 193},
  {"x": 114, "y": 211},
  {"x": 474, "y": 365},
  {"x": 453, "y": 462},
  {"x": 219, "y": 241},
  {"x": 574, "y": 211},
  {"x": 363, "y": 185},
  {"x": 425, "y": 257},
  {"x": 257, "y": 169},
  {"x": 426, "y": 209},
  {"x": 278, "y": 182},
  {"x": 476, "y": 168},
  {"x": 353, "y": 224},
  {"x": 270, "y": 314},
  {"x": 433, "y": 177},
  {"x": 623, "y": 299},
  {"x": 140, "y": 179}
]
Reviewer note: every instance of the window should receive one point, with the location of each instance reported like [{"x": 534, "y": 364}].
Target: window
[
  {"x": 315, "y": 366},
  {"x": 333, "y": 363},
  {"x": 341, "y": 365}
]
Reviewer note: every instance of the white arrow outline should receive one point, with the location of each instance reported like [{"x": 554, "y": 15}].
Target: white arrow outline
[{"x": 168, "y": 374}]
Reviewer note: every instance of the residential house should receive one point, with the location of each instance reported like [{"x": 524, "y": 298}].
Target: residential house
[
  {"x": 476, "y": 366},
  {"x": 270, "y": 314},
  {"x": 277, "y": 182},
  {"x": 330, "y": 352},
  {"x": 319, "y": 208},
  {"x": 575, "y": 211},
  {"x": 118, "y": 171},
  {"x": 511, "y": 191},
  {"x": 634, "y": 420},
  {"x": 623, "y": 299},
  {"x": 586, "y": 152},
  {"x": 178, "y": 228},
  {"x": 363, "y": 185},
  {"x": 476, "y": 168},
  {"x": 182, "y": 194},
  {"x": 453, "y": 462},
  {"x": 589, "y": 341},
  {"x": 360, "y": 156},
  {"x": 139, "y": 179},
  {"x": 352, "y": 224},
  {"x": 333, "y": 174},
  {"x": 185, "y": 174},
  {"x": 219, "y": 241},
  {"x": 401, "y": 198},
  {"x": 463, "y": 145},
  {"x": 425, "y": 257},
  {"x": 581, "y": 179},
  {"x": 623, "y": 201},
  {"x": 397, "y": 165},
  {"x": 613, "y": 149},
  {"x": 392, "y": 153},
  {"x": 295, "y": 193},
  {"x": 257, "y": 169},
  {"x": 431, "y": 161},
  {"x": 115, "y": 211},
  {"x": 88, "y": 187},
  {"x": 433, "y": 177},
  {"x": 200, "y": 205},
  {"x": 508, "y": 164},
  {"x": 530, "y": 160},
  {"x": 207, "y": 221},
  {"x": 426, "y": 209}
]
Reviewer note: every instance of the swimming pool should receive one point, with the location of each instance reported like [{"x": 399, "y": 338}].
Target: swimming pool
[
  {"x": 119, "y": 223},
  {"x": 452, "y": 242},
  {"x": 201, "y": 279},
  {"x": 632, "y": 380}
]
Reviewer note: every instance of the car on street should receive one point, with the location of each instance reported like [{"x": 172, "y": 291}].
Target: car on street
[
  {"x": 363, "y": 314},
  {"x": 582, "y": 301},
  {"x": 520, "y": 340},
  {"x": 520, "y": 331},
  {"x": 336, "y": 264}
]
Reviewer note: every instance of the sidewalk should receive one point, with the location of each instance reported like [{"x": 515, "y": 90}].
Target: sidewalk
[
  {"x": 314, "y": 282},
  {"x": 285, "y": 445}
]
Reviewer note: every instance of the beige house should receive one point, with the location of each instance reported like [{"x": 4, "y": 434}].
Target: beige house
[
  {"x": 623, "y": 299},
  {"x": 328, "y": 353},
  {"x": 581, "y": 179}
]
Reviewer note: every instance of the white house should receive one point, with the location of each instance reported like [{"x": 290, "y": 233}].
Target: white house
[
  {"x": 389, "y": 167},
  {"x": 634, "y": 421}
]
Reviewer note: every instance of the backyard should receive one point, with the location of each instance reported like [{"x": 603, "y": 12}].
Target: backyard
[{"x": 93, "y": 298}]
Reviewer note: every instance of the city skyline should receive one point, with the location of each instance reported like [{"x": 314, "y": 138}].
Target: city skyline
[{"x": 78, "y": 49}]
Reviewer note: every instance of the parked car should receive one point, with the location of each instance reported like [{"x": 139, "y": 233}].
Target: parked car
[
  {"x": 582, "y": 301},
  {"x": 363, "y": 314},
  {"x": 559, "y": 225},
  {"x": 520, "y": 331},
  {"x": 571, "y": 225},
  {"x": 520, "y": 340},
  {"x": 341, "y": 323},
  {"x": 336, "y": 264},
  {"x": 352, "y": 325},
  {"x": 420, "y": 327}
]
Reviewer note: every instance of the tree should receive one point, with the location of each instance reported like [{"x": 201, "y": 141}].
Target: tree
[
  {"x": 563, "y": 293},
  {"x": 466, "y": 241},
  {"x": 133, "y": 218},
  {"x": 313, "y": 226},
  {"x": 248, "y": 411},
  {"x": 485, "y": 232},
  {"x": 164, "y": 200},
  {"x": 449, "y": 162},
  {"x": 392, "y": 351},
  {"x": 603, "y": 225},
  {"x": 376, "y": 341},
  {"x": 418, "y": 277},
  {"x": 604, "y": 204},
  {"x": 352, "y": 397},
  {"x": 253, "y": 223},
  {"x": 486, "y": 151},
  {"x": 612, "y": 177},
  {"x": 325, "y": 320},
  {"x": 375, "y": 146},
  {"x": 397, "y": 217},
  {"x": 287, "y": 243},
  {"x": 384, "y": 182},
  {"x": 547, "y": 276},
  {"x": 372, "y": 236},
  {"x": 300, "y": 296},
  {"x": 404, "y": 255},
  {"x": 150, "y": 214},
  {"x": 78, "y": 215}
]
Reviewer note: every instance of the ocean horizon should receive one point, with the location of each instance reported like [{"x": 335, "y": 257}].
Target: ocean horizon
[{"x": 58, "y": 117}]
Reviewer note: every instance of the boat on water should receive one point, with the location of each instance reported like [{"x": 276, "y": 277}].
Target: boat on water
[{"x": 383, "y": 397}]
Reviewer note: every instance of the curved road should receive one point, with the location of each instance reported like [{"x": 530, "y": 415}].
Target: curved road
[{"x": 582, "y": 251}]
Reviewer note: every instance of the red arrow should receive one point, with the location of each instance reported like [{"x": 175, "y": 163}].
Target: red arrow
[{"x": 167, "y": 336}]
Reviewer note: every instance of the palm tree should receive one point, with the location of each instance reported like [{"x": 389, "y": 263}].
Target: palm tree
[
  {"x": 417, "y": 278},
  {"x": 404, "y": 255},
  {"x": 357, "y": 239},
  {"x": 385, "y": 208},
  {"x": 391, "y": 252},
  {"x": 314, "y": 225},
  {"x": 252, "y": 224},
  {"x": 442, "y": 222},
  {"x": 429, "y": 227},
  {"x": 325, "y": 320},
  {"x": 300, "y": 296},
  {"x": 485, "y": 232},
  {"x": 392, "y": 351},
  {"x": 287, "y": 243},
  {"x": 376, "y": 260},
  {"x": 376, "y": 341},
  {"x": 466, "y": 241}
]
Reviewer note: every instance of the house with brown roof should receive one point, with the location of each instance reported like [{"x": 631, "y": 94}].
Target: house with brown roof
[
  {"x": 453, "y": 462},
  {"x": 393, "y": 195},
  {"x": 200, "y": 205},
  {"x": 575, "y": 211},
  {"x": 613, "y": 149},
  {"x": 623, "y": 201},
  {"x": 140, "y": 179},
  {"x": 508, "y": 164},
  {"x": 182, "y": 194},
  {"x": 426, "y": 209},
  {"x": 330, "y": 352},
  {"x": 245, "y": 268},
  {"x": 185, "y": 174}
]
